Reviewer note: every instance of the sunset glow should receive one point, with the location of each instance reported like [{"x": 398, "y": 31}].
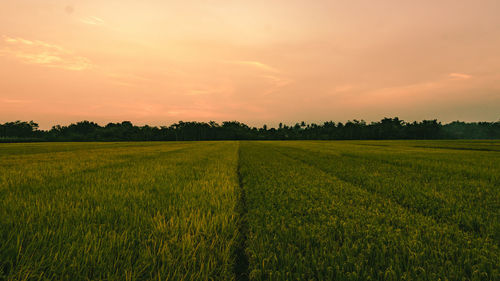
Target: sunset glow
[{"x": 157, "y": 62}]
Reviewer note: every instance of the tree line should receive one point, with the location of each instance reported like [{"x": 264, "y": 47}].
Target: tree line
[{"x": 387, "y": 128}]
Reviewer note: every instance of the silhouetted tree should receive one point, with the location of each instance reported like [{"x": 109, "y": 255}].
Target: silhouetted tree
[{"x": 387, "y": 128}]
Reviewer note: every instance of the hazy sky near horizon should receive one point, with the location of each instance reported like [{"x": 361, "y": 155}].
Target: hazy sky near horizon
[{"x": 261, "y": 61}]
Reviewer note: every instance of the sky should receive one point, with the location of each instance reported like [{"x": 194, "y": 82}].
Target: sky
[{"x": 259, "y": 62}]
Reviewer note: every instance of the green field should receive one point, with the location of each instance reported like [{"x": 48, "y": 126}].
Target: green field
[{"x": 277, "y": 210}]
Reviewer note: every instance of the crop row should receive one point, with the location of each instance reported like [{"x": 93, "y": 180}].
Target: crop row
[
  {"x": 307, "y": 224},
  {"x": 303, "y": 210},
  {"x": 124, "y": 213},
  {"x": 457, "y": 186}
]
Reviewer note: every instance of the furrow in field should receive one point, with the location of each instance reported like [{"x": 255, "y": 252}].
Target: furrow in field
[
  {"x": 472, "y": 211},
  {"x": 421, "y": 159},
  {"x": 458, "y": 148},
  {"x": 383, "y": 196},
  {"x": 241, "y": 258},
  {"x": 473, "y": 145},
  {"x": 436, "y": 147},
  {"x": 352, "y": 183},
  {"x": 305, "y": 224}
]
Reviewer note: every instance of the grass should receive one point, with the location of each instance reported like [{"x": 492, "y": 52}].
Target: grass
[
  {"x": 283, "y": 210},
  {"x": 118, "y": 211},
  {"x": 316, "y": 213}
]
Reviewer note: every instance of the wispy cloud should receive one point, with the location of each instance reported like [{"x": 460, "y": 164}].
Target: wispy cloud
[
  {"x": 459, "y": 76},
  {"x": 275, "y": 83},
  {"x": 43, "y": 53},
  {"x": 444, "y": 87},
  {"x": 92, "y": 21},
  {"x": 255, "y": 64},
  {"x": 268, "y": 77},
  {"x": 278, "y": 81}
]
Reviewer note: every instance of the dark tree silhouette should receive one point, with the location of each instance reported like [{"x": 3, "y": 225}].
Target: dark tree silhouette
[{"x": 387, "y": 128}]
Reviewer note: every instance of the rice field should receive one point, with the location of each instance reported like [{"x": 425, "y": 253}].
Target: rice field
[{"x": 250, "y": 210}]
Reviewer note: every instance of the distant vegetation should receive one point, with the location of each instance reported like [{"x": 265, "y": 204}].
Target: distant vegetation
[{"x": 387, "y": 128}]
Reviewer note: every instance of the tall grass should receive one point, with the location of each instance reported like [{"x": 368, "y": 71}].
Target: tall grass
[
  {"x": 457, "y": 186},
  {"x": 297, "y": 210},
  {"x": 305, "y": 223},
  {"x": 118, "y": 211}
]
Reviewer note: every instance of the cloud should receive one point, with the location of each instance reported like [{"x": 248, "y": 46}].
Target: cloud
[
  {"x": 275, "y": 83},
  {"x": 443, "y": 88},
  {"x": 268, "y": 79},
  {"x": 43, "y": 53},
  {"x": 278, "y": 81},
  {"x": 92, "y": 21},
  {"x": 255, "y": 64},
  {"x": 459, "y": 76}
]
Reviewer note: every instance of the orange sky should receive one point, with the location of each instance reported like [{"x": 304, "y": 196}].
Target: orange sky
[{"x": 158, "y": 61}]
